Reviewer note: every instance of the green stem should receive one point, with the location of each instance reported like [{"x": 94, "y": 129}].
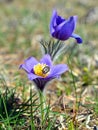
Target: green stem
[
  {"x": 32, "y": 118},
  {"x": 42, "y": 103}
]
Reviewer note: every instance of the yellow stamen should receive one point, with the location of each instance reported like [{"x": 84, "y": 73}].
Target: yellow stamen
[{"x": 38, "y": 70}]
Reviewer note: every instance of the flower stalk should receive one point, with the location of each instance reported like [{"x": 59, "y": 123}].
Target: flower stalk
[
  {"x": 43, "y": 71},
  {"x": 42, "y": 108}
]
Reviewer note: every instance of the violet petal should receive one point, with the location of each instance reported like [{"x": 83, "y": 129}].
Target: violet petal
[
  {"x": 29, "y": 64},
  {"x": 46, "y": 60},
  {"x": 32, "y": 76},
  {"x": 57, "y": 70},
  {"x": 53, "y": 21},
  {"x": 67, "y": 29},
  {"x": 77, "y": 37}
]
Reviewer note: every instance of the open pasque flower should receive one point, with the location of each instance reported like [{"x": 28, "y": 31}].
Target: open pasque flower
[
  {"x": 42, "y": 72},
  {"x": 63, "y": 29}
]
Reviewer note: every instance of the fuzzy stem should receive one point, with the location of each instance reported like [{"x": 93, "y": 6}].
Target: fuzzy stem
[{"x": 42, "y": 106}]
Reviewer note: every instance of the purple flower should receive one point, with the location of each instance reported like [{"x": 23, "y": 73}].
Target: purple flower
[
  {"x": 42, "y": 72},
  {"x": 63, "y": 29}
]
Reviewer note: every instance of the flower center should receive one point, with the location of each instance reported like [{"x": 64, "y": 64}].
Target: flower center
[{"x": 41, "y": 70}]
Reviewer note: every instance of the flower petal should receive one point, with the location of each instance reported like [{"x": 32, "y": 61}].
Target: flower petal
[
  {"x": 57, "y": 30},
  {"x": 40, "y": 83},
  {"x": 66, "y": 29},
  {"x": 53, "y": 21},
  {"x": 32, "y": 76},
  {"x": 57, "y": 70},
  {"x": 29, "y": 64},
  {"x": 59, "y": 20},
  {"x": 77, "y": 37},
  {"x": 23, "y": 66},
  {"x": 46, "y": 60},
  {"x": 75, "y": 20}
]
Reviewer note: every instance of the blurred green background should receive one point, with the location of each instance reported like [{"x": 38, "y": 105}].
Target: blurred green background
[
  {"x": 21, "y": 22},
  {"x": 24, "y": 23}
]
